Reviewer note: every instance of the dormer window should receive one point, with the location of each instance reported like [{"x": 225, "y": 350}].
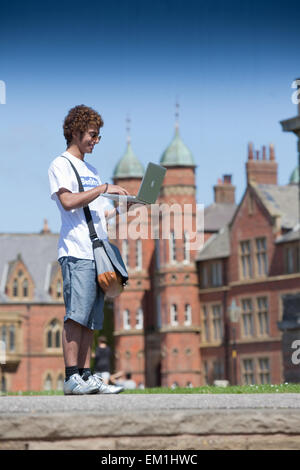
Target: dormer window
[{"x": 19, "y": 281}]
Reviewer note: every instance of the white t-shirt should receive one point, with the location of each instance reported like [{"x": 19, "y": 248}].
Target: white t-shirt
[{"x": 74, "y": 237}]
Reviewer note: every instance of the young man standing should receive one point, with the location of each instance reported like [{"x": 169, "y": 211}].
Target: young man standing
[{"x": 84, "y": 300}]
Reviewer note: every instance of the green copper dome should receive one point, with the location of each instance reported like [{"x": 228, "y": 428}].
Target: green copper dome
[
  {"x": 129, "y": 166},
  {"x": 294, "y": 178},
  {"x": 177, "y": 154}
]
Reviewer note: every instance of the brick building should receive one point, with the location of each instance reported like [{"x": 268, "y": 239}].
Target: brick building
[
  {"x": 31, "y": 312},
  {"x": 172, "y": 324}
]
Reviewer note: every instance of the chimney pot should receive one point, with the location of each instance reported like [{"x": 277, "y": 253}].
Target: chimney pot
[
  {"x": 227, "y": 179},
  {"x": 272, "y": 152},
  {"x": 250, "y": 151},
  {"x": 46, "y": 228}
]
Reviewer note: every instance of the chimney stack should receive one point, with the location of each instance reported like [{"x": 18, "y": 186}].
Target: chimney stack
[
  {"x": 261, "y": 170},
  {"x": 46, "y": 228},
  {"x": 224, "y": 191}
]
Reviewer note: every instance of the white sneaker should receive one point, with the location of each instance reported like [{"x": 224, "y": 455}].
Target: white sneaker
[
  {"x": 75, "y": 385},
  {"x": 104, "y": 388}
]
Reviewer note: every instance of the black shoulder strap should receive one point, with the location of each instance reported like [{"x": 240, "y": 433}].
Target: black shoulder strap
[{"x": 87, "y": 212}]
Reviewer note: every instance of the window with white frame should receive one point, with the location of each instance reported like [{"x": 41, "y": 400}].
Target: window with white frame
[
  {"x": 174, "y": 314},
  {"x": 139, "y": 319},
  {"x": 187, "y": 314},
  {"x": 126, "y": 319},
  {"x": 139, "y": 254}
]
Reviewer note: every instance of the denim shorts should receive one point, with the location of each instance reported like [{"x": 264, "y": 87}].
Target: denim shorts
[{"x": 84, "y": 300}]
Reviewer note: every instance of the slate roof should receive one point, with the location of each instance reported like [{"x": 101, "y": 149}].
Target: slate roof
[
  {"x": 38, "y": 252},
  {"x": 292, "y": 235},
  {"x": 217, "y": 215},
  {"x": 217, "y": 246},
  {"x": 280, "y": 200}
]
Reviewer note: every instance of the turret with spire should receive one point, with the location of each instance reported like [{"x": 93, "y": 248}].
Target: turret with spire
[
  {"x": 178, "y": 310},
  {"x": 129, "y": 166}
]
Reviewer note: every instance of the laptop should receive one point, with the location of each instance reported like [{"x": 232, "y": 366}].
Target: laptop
[{"x": 149, "y": 188}]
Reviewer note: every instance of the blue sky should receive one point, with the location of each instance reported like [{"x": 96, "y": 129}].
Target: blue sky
[{"x": 230, "y": 64}]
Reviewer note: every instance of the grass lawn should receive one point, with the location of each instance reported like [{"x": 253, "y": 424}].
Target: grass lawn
[{"x": 210, "y": 389}]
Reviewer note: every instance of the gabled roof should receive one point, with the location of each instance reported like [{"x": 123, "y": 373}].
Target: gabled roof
[
  {"x": 217, "y": 215},
  {"x": 217, "y": 246},
  {"x": 38, "y": 252},
  {"x": 279, "y": 201}
]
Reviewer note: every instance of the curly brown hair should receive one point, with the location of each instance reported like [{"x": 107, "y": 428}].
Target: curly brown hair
[{"x": 79, "y": 119}]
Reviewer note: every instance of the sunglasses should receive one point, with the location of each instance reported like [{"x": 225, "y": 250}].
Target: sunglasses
[{"x": 95, "y": 136}]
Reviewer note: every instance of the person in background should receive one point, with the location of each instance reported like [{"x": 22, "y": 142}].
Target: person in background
[{"x": 102, "y": 360}]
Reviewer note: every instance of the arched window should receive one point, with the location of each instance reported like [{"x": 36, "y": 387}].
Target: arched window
[
  {"x": 60, "y": 382},
  {"x": 172, "y": 247},
  {"x": 15, "y": 288},
  {"x": 174, "y": 314},
  {"x": 57, "y": 339},
  {"x": 25, "y": 288},
  {"x": 53, "y": 335},
  {"x": 139, "y": 319},
  {"x": 187, "y": 314},
  {"x": 126, "y": 320},
  {"x": 48, "y": 383}
]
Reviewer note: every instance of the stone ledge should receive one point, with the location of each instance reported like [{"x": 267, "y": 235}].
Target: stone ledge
[
  {"x": 58, "y": 426},
  {"x": 151, "y": 422}
]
